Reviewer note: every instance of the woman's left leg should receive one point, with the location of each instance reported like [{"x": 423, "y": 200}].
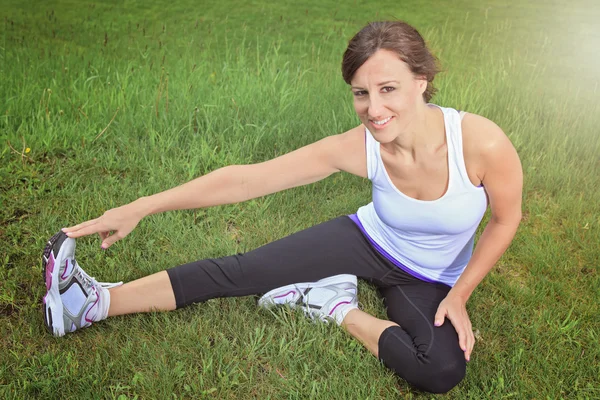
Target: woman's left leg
[
  {"x": 150, "y": 293},
  {"x": 426, "y": 356}
]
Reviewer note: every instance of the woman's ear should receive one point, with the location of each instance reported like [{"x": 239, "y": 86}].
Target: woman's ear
[{"x": 421, "y": 83}]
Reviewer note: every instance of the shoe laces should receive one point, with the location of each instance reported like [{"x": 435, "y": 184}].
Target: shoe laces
[
  {"x": 91, "y": 281},
  {"x": 313, "y": 314}
]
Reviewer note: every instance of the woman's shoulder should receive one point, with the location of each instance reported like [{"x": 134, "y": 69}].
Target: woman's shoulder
[
  {"x": 481, "y": 135},
  {"x": 480, "y": 131},
  {"x": 347, "y": 150},
  {"x": 482, "y": 139}
]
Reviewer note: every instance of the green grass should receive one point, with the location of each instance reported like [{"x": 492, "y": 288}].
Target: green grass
[{"x": 84, "y": 86}]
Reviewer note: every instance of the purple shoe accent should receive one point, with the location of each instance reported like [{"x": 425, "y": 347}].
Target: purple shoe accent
[
  {"x": 64, "y": 275},
  {"x": 337, "y": 305},
  {"x": 49, "y": 270},
  {"x": 93, "y": 305},
  {"x": 387, "y": 255},
  {"x": 284, "y": 295}
]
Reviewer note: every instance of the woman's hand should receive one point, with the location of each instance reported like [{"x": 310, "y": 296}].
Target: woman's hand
[
  {"x": 455, "y": 309},
  {"x": 113, "y": 225}
]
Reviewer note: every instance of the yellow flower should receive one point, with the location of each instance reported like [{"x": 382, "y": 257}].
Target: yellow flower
[{"x": 27, "y": 150}]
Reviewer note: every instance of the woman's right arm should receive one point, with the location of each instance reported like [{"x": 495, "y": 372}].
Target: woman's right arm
[{"x": 237, "y": 183}]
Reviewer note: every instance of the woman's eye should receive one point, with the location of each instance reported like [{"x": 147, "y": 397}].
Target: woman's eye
[
  {"x": 388, "y": 89},
  {"x": 359, "y": 93}
]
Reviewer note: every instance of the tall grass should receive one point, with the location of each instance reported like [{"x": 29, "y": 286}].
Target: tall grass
[{"x": 101, "y": 103}]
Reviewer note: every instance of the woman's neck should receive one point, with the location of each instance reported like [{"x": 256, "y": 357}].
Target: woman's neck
[{"x": 425, "y": 133}]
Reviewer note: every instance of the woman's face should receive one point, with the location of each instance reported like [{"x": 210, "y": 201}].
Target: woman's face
[{"x": 386, "y": 95}]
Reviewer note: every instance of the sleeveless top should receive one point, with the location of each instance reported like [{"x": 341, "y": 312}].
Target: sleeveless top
[{"x": 431, "y": 240}]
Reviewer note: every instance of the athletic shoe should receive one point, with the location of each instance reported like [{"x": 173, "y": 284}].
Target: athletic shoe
[
  {"x": 73, "y": 299},
  {"x": 329, "y": 298}
]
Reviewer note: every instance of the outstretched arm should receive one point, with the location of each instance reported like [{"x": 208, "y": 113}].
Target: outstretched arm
[{"x": 237, "y": 183}]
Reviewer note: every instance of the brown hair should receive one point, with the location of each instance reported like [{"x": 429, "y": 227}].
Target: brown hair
[{"x": 396, "y": 36}]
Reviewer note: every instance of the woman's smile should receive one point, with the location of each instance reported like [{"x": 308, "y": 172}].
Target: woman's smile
[{"x": 380, "y": 124}]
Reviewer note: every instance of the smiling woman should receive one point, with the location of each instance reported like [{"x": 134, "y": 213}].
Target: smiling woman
[
  {"x": 433, "y": 171},
  {"x": 399, "y": 38}
]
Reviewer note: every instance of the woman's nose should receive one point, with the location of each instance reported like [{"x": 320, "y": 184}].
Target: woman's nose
[{"x": 375, "y": 107}]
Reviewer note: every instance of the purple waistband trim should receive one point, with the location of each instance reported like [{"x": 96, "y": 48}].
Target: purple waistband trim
[{"x": 387, "y": 255}]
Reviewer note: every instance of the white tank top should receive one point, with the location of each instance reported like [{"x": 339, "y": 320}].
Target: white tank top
[{"x": 431, "y": 240}]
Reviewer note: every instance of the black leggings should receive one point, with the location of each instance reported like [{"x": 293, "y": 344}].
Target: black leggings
[{"x": 427, "y": 357}]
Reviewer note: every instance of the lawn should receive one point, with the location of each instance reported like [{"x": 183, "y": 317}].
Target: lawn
[{"x": 104, "y": 102}]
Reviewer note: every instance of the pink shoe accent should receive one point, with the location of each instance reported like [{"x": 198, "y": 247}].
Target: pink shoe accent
[
  {"x": 284, "y": 295},
  {"x": 93, "y": 305},
  {"x": 49, "y": 270},
  {"x": 337, "y": 305},
  {"x": 64, "y": 275}
]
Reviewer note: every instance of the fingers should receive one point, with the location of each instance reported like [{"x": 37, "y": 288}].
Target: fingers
[
  {"x": 79, "y": 226},
  {"x": 88, "y": 229},
  {"x": 469, "y": 337},
  {"x": 462, "y": 340},
  {"x": 468, "y": 345},
  {"x": 117, "y": 221},
  {"x": 457, "y": 314},
  {"x": 470, "y": 342},
  {"x": 106, "y": 243},
  {"x": 466, "y": 339},
  {"x": 439, "y": 316}
]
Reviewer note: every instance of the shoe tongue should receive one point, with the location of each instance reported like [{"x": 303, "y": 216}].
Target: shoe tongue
[{"x": 74, "y": 299}]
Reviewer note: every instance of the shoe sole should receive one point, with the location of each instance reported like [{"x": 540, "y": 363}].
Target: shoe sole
[
  {"x": 51, "y": 302},
  {"x": 332, "y": 280}
]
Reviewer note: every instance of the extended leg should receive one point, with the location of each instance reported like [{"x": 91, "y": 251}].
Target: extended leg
[
  {"x": 331, "y": 248},
  {"x": 150, "y": 293}
]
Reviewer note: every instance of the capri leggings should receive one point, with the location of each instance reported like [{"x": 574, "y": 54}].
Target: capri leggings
[{"x": 427, "y": 357}]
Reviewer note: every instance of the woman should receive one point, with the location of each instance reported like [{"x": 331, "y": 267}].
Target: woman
[{"x": 433, "y": 171}]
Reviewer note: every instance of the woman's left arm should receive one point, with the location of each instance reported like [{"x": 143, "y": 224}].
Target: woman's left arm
[{"x": 502, "y": 178}]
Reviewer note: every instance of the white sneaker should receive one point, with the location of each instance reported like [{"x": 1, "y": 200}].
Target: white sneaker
[
  {"x": 326, "y": 299},
  {"x": 73, "y": 299}
]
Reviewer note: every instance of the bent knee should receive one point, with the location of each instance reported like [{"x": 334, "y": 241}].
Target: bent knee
[
  {"x": 441, "y": 378},
  {"x": 436, "y": 371},
  {"x": 434, "y": 375}
]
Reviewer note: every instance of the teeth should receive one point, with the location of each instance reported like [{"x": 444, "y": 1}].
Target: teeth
[{"x": 383, "y": 121}]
